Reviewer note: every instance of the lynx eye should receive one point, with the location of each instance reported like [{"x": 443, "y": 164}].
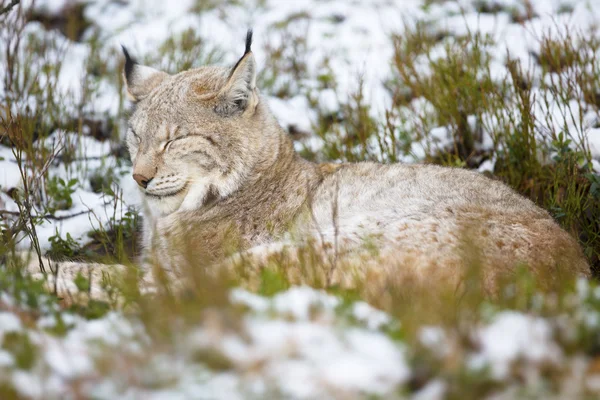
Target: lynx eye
[
  {"x": 137, "y": 137},
  {"x": 170, "y": 141}
]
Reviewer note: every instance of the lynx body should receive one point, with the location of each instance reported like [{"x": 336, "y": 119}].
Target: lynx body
[{"x": 212, "y": 164}]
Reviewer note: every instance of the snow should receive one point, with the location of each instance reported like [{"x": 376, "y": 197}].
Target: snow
[
  {"x": 68, "y": 360},
  {"x": 353, "y": 38},
  {"x": 369, "y": 315},
  {"x": 251, "y": 300},
  {"x": 6, "y": 359},
  {"x": 10, "y": 175},
  {"x": 307, "y": 356},
  {"x": 301, "y": 342},
  {"x": 300, "y": 302},
  {"x": 377, "y": 366},
  {"x": 434, "y": 390},
  {"x": 292, "y": 113},
  {"x": 27, "y": 385},
  {"x": 9, "y": 323},
  {"x": 362, "y": 361},
  {"x": 514, "y": 336},
  {"x": 486, "y": 166},
  {"x": 310, "y": 348},
  {"x": 89, "y": 210},
  {"x": 594, "y": 142},
  {"x": 435, "y": 339}
]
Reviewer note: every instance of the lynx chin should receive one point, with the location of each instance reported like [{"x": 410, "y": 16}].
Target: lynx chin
[{"x": 219, "y": 177}]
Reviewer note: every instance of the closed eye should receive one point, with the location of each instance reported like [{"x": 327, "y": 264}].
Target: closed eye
[
  {"x": 189, "y": 135},
  {"x": 208, "y": 138},
  {"x": 170, "y": 142},
  {"x": 137, "y": 137}
]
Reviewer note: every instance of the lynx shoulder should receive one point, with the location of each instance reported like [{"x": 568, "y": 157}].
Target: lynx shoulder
[{"x": 218, "y": 173}]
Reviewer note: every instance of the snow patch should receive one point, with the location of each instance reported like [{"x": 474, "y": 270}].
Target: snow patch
[{"x": 514, "y": 336}]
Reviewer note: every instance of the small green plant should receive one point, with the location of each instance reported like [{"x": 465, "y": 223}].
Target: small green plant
[
  {"x": 61, "y": 248},
  {"x": 349, "y": 134},
  {"x": 59, "y": 193},
  {"x": 458, "y": 87},
  {"x": 103, "y": 181},
  {"x": 118, "y": 240}
]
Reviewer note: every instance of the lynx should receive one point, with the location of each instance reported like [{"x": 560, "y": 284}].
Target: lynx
[{"x": 217, "y": 172}]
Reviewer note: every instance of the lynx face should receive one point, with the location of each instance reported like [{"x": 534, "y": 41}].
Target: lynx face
[{"x": 192, "y": 135}]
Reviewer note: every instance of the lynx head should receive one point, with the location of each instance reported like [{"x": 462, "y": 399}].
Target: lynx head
[{"x": 193, "y": 136}]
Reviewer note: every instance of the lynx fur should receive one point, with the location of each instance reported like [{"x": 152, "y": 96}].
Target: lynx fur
[
  {"x": 214, "y": 164},
  {"x": 218, "y": 173}
]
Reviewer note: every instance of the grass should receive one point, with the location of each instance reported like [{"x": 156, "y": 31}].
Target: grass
[
  {"x": 285, "y": 78},
  {"x": 453, "y": 76}
]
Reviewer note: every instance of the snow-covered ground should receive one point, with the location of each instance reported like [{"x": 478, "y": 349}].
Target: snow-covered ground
[
  {"x": 301, "y": 343},
  {"x": 354, "y": 38},
  {"x": 298, "y": 344}
]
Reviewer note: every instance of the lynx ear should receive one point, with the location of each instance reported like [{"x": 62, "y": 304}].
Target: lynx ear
[
  {"x": 239, "y": 93},
  {"x": 139, "y": 79}
]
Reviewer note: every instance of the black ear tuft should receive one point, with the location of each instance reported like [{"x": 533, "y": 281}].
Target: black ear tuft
[
  {"x": 248, "y": 41},
  {"x": 248, "y": 50},
  {"x": 129, "y": 64}
]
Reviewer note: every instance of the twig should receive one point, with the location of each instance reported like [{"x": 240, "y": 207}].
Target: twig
[
  {"x": 74, "y": 159},
  {"x": 9, "y": 6},
  {"x": 50, "y": 216},
  {"x": 26, "y": 207}
]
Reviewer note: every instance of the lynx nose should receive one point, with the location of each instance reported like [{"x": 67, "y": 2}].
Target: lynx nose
[{"x": 141, "y": 180}]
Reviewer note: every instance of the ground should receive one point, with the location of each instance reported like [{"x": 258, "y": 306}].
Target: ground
[{"x": 510, "y": 88}]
